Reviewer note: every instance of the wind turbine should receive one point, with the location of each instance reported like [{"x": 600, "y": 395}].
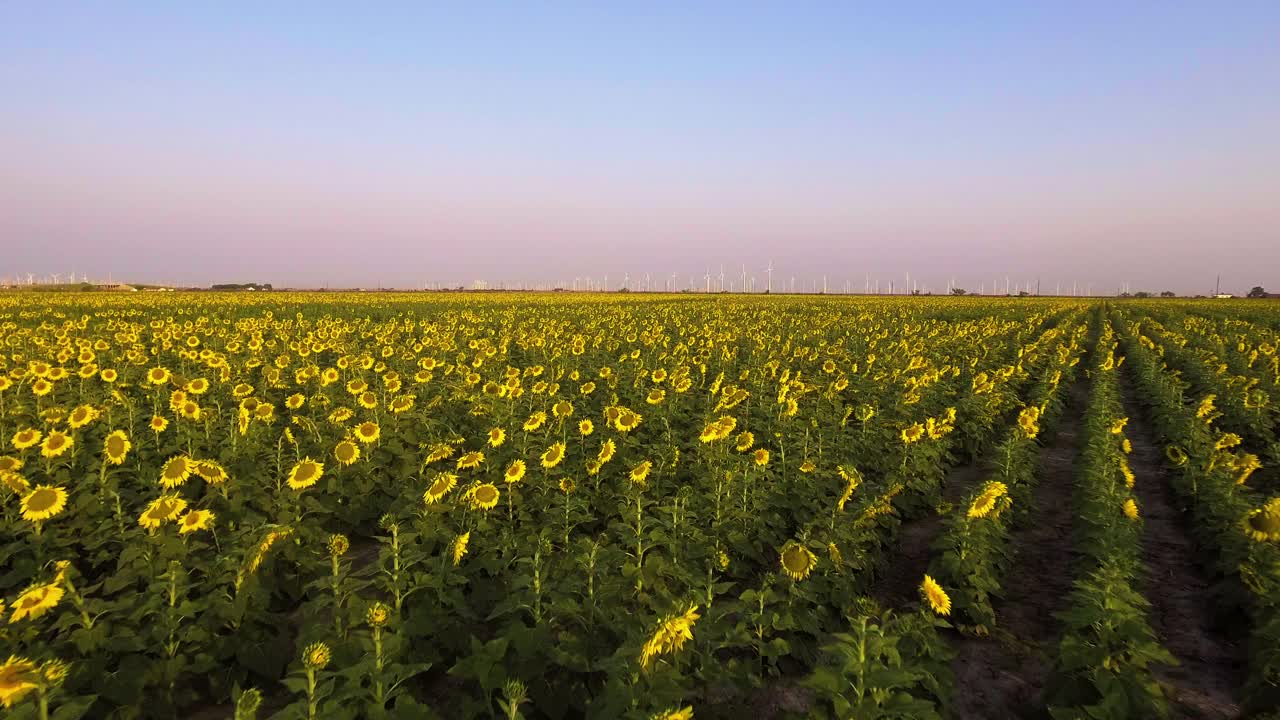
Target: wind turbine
[{"x": 769, "y": 272}]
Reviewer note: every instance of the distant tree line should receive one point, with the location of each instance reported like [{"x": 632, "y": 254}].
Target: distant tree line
[{"x": 241, "y": 286}]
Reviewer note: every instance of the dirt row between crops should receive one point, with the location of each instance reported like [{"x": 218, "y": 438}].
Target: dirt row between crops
[
  {"x": 899, "y": 583},
  {"x": 1183, "y": 613},
  {"x": 1003, "y": 675}
]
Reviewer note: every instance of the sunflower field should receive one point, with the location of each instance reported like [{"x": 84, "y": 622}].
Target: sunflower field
[{"x": 292, "y": 505}]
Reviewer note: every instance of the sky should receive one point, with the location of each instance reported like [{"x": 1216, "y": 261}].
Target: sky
[{"x": 315, "y": 144}]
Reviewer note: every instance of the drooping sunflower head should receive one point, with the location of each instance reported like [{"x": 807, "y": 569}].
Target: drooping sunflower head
[
  {"x": 36, "y": 601},
  {"x": 459, "y": 547},
  {"x": 443, "y": 483},
  {"x": 1130, "y": 509},
  {"x": 195, "y": 520},
  {"x": 640, "y": 473},
  {"x": 470, "y": 460},
  {"x": 553, "y": 455},
  {"x": 1263, "y": 524},
  {"x": 935, "y": 596},
  {"x": 797, "y": 561},
  {"x": 211, "y": 472}
]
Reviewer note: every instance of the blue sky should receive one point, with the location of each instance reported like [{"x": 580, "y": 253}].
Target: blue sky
[{"x": 313, "y": 144}]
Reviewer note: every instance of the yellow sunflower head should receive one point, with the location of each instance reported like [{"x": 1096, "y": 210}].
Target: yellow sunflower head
[{"x": 796, "y": 561}]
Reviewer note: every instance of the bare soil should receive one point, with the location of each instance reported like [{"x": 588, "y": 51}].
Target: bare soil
[
  {"x": 1183, "y": 611},
  {"x": 1003, "y": 676},
  {"x": 900, "y": 578}
]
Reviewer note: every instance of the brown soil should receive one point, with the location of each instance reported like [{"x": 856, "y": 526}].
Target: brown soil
[
  {"x": 1004, "y": 675},
  {"x": 898, "y": 583},
  {"x": 1183, "y": 611}
]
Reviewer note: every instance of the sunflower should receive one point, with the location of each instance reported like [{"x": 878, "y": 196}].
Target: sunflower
[
  {"x": 567, "y": 486},
  {"x": 497, "y": 436},
  {"x": 17, "y": 678},
  {"x": 316, "y": 656},
  {"x": 1245, "y": 465},
  {"x": 346, "y": 452},
  {"x": 191, "y": 410},
  {"x": 1130, "y": 509},
  {"x": 175, "y": 471},
  {"x": 562, "y": 409},
  {"x": 796, "y": 560},
  {"x": 607, "y": 449},
  {"x": 158, "y": 424},
  {"x": 760, "y": 457},
  {"x": 378, "y": 614},
  {"x": 933, "y": 594},
  {"x": 402, "y": 404},
  {"x": 195, "y": 520},
  {"x": 1263, "y": 524},
  {"x": 459, "y": 547},
  {"x": 640, "y": 473},
  {"x": 669, "y": 636},
  {"x": 199, "y": 386},
  {"x": 367, "y": 400},
  {"x": 585, "y": 428},
  {"x": 158, "y": 376},
  {"x": 35, "y": 601},
  {"x": 515, "y": 471},
  {"x": 470, "y": 460},
  {"x": 684, "y": 713},
  {"x": 656, "y": 396},
  {"x": 1206, "y": 407},
  {"x": 985, "y": 502},
  {"x": 628, "y": 420},
  {"x": 109, "y": 375},
  {"x": 26, "y": 438},
  {"x": 912, "y": 433},
  {"x": 341, "y": 415},
  {"x": 535, "y": 421},
  {"x": 81, "y": 416},
  {"x": 41, "y": 387},
  {"x": 116, "y": 447},
  {"x": 553, "y": 455},
  {"x": 483, "y": 497},
  {"x": 17, "y": 484},
  {"x": 212, "y": 472},
  {"x": 44, "y": 502},
  {"x": 161, "y": 510},
  {"x": 807, "y": 466},
  {"x": 9, "y": 463},
  {"x": 55, "y": 444},
  {"x": 305, "y": 473},
  {"x": 444, "y": 482},
  {"x": 746, "y": 439},
  {"x": 367, "y": 432}
]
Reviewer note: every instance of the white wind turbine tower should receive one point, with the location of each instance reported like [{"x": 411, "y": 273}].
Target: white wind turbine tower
[
  {"x": 707, "y": 277},
  {"x": 721, "y": 288},
  {"x": 769, "y": 271},
  {"x": 744, "y": 277}
]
